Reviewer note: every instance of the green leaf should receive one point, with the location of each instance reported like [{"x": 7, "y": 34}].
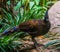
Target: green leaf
[
  {"x": 8, "y": 3},
  {"x": 31, "y": 4},
  {"x": 37, "y": 2},
  {"x": 17, "y": 6},
  {"x": 2, "y": 49}
]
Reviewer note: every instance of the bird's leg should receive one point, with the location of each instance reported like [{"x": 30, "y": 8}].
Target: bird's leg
[{"x": 37, "y": 45}]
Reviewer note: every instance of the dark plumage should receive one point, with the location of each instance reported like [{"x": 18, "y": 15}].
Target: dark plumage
[{"x": 33, "y": 27}]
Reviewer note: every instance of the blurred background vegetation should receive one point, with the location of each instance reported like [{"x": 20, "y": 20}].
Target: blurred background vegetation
[{"x": 14, "y": 12}]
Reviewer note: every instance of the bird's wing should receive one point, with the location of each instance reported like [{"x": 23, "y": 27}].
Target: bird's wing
[{"x": 29, "y": 26}]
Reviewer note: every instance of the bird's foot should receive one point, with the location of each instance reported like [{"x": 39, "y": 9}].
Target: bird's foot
[{"x": 38, "y": 45}]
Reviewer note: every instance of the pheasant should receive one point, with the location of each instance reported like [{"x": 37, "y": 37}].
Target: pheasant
[{"x": 32, "y": 27}]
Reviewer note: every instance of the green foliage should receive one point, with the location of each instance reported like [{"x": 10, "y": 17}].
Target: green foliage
[{"x": 6, "y": 44}]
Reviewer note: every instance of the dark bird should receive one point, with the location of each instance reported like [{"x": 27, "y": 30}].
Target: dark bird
[{"x": 33, "y": 27}]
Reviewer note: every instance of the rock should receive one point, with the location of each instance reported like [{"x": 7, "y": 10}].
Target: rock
[{"x": 54, "y": 17}]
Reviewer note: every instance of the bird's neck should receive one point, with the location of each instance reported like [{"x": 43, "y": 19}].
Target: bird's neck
[{"x": 46, "y": 17}]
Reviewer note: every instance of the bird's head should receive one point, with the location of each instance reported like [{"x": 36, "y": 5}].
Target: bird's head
[{"x": 46, "y": 17}]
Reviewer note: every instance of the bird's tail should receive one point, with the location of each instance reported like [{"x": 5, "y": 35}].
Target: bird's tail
[{"x": 10, "y": 31}]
